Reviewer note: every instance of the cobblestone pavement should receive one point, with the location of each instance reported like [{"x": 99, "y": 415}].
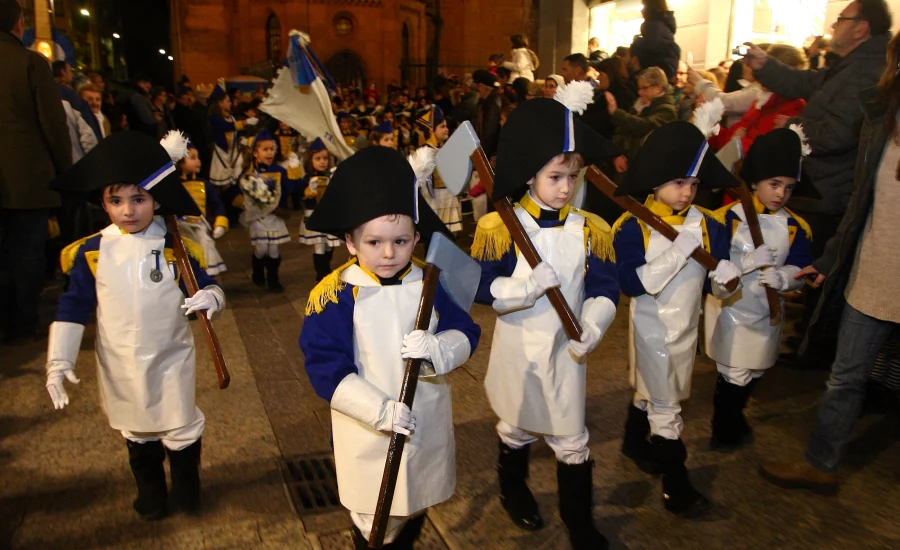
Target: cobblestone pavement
[{"x": 65, "y": 482}]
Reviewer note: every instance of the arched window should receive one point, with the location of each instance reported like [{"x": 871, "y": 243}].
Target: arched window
[{"x": 273, "y": 38}]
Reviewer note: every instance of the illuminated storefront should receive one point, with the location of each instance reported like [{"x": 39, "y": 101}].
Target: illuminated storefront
[{"x": 709, "y": 29}]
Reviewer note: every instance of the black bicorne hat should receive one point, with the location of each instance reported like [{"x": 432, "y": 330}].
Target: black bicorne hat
[
  {"x": 535, "y": 132},
  {"x": 375, "y": 182},
  {"x": 672, "y": 151},
  {"x": 778, "y": 154},
  {"x": 129, "y": 157}
]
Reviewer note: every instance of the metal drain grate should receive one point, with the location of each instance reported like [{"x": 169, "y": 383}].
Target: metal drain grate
[{"x": 311, "y": 483}]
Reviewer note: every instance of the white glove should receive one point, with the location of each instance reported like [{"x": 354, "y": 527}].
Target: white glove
[
  {"x": 362, "y": 401},
  {"x": 218, "y": 232},
  {"x": 764, "y": 256},
  {"x": 397, "y": 418},
  {"x": 544, "y": 276},
  {"x": 251, "y": 121},
  {"x": 596, "y": 316},
  {"x": 63, "y": 344},
  {"x": 56, "y": 371},
  {"x": 725, "y": 272},
  {"x": 686, "y": 243},
  {"x": 313, "y": 184},
  {"x": 445, "y": 351},
  {"x": 205, "y": 299}
]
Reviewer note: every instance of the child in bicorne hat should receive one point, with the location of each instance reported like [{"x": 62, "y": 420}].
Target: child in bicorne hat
[
  {"x": 536, "y": 378},
  {"x": 317, "y": 164},
  {"x": 432, "y": 131},
  {"x": 212, "y": 211},
  {"x": 127, "y": 274},
  {"x": 266, "y": 188},
  {"x": 666, "y": 287},
  {"x": 359, "y": 329},
  {"x": 739, "y": 335}
]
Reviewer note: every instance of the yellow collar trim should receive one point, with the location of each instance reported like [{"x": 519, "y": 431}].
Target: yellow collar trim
[
  {"x": 533, "y": 208},
  {"x": 667, "y": 213},
  {"x": 377, "y": 279}
]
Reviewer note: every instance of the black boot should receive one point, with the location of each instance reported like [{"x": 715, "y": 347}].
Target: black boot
[
  {"x": 576, "y": 501},
  {"x": 146, "y": 460},
  {"x": 729, "y": 426},
  {"x": 272, "y": 265},
  {"x": 635, "y": 444},
  {"x": 679, "y": 495},
  {"x": 259, "y": 272},
  {"x": 515, "y": 496},
  {"x": 405, "y": 539},
  {"x": 185, "y": 470},
  {"x": 321, "y": 265}
]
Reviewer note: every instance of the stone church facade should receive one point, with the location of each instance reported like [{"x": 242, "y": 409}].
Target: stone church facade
[{"x": 359, "y": 41}]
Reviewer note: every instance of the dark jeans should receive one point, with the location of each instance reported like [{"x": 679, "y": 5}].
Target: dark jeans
[
  {"x": 23, "y": 236},
  {"x": 860, "y": 339}
]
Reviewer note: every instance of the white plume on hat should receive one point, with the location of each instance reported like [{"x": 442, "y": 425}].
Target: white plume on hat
[
  {"x": 423, "y": 162},
  {"x": 175, "y": 143},
  {"x": 575, "y": 96},
  {"x": 707, "y": 117},
  {"x": 805, "y": 148}
]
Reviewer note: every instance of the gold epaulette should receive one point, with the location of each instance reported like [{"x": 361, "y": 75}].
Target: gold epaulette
[
  {"x": 221, "y": 221},
  {"x": 326, "y": 291},
  {"x": 492, "y": 238},
  {"x": 723, "y": 211},
  {"x": 195, "y": 251},
  {"x": 802, "y": 223},
  {"x": 295, "y": 172},
  {"x": 620, "y": 222},
  {"x": 718, "y": 215},
  {"x": 598, "y": 234},
  {"x": 67, "y": 256}
]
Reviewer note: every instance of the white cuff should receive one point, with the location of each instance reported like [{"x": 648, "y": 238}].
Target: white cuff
[
  {"x": 659, "y": 272},
  {"x": 513, "y": 293},
  {"x": 63, "y": 344},
  {"x": 599, "y": 313},
  {"x": 791, "y": 284},
  {"x": 454, "y": 350},
  {"x": 220, "y": 298},
  {"x": 360, "y": 400}
]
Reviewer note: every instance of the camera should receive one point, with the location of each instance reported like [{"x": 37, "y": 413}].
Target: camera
[{"x": 741, "y": 50}]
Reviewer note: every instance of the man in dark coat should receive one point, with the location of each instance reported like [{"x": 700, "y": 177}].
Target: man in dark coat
[
  {"x": 655, "y": 46},
  {"x": 831, "y": 121},
  {"x": 135, "y": 104},
  {"x": 490, "y": 104},
  {"x": 36, "y": 147},
  {"x": 63, "y": 74}
]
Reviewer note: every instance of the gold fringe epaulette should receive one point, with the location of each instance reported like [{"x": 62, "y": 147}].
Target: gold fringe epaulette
[
  {"x": 492, "y": 238},
  {"x": 802, "y": 223},
  {"x": 67, "y": 256},
  {"x": 327, "y": 290},
  {"x": 718, "y": 215},
  {"x": 598, "y": 234},
  {"x": 195, "y": 251},
  {"x": 616, "y": 227}
]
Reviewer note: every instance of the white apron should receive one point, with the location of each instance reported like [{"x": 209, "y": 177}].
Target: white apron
[
  {"x": 226, "y": 166},
  {"x": 663, "y": 331},
  {"x": 532, "y": 382},
  {"x": 198, "y": 232},
  {"x": 381, "y": 317},
  {"x": 737, "y": 330},
  {"x": 145, "y": 349}
]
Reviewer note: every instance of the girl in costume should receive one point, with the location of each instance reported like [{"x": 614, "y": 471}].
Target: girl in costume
[
  {"x": 536, "y": 376},
  {"x": 739, "y": 336},
  {"x": 226, "y": 158},
  {"x": 383, "y": 136},
  {"x": 317, "y": 164},
  {"x": 359, "y": 329},
  {"x": 666, "y": 286},
  {"x": 433, "y": 132},
  {"x": 212, "y": 211},
  {"x": 266, "y": 188}
]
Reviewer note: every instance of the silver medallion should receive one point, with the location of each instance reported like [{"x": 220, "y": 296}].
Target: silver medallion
[{"x": 156, "y": 275}]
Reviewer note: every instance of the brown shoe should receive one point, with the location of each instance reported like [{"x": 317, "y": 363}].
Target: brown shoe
[{"x": 799, "y": 475}]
